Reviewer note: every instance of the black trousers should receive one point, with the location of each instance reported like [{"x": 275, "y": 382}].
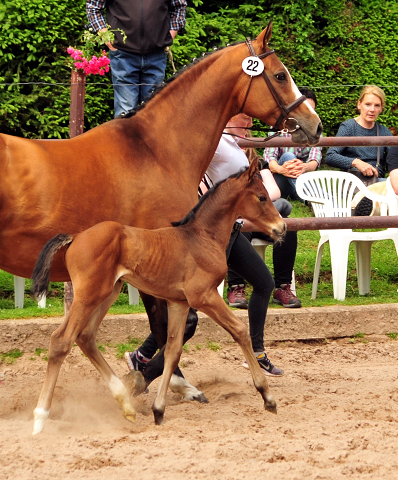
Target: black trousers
[{"x": 284, "y": 253}]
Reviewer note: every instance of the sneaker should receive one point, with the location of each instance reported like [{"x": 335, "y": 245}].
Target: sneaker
[
  {"x": 266, "y": 366},
  {"x": 136, "y": 361},
  {"x": 364, "y": 207},
  {"x": 236, "y": 296},
  {"x": 284, "y": 296}
]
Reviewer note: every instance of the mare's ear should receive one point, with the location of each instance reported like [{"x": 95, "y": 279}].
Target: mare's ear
[
  {"x": 253, "y": 169},
  {"x": 265, "y": 36}
]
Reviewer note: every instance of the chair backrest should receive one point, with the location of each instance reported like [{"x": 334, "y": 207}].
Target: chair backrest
[{"x": 331, "y": 192}]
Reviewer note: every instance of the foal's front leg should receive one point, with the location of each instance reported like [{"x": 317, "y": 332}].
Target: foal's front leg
[
  {"x": 216, "y": 309},
  {"x": 175, "y": 334}
]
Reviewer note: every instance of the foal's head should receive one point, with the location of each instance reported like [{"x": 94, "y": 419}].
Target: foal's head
[{"x": 255, "y": 205}]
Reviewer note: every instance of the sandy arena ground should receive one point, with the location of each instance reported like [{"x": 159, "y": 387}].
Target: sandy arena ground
[{"x": 337, "y": 418}]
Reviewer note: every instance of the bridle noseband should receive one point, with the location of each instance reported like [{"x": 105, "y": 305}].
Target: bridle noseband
[{"x": 284, "y": 116}]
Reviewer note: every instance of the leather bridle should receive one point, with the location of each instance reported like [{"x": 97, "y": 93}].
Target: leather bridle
[{"x": 284, "y": 116}]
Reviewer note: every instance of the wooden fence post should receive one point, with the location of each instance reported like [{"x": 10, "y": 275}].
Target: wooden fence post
[{"x": 76, "y": 127}]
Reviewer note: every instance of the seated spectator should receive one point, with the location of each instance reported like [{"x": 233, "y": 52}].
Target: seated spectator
[
  {"x": 283, "y": 253},
  {"x": 370, "y": 104},
  {"x": 288, "y": 163}
]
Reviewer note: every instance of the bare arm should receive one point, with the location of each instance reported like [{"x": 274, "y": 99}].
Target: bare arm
[
  {"x": 270, "y": 184},
  {"x": 394, "y": 180}
]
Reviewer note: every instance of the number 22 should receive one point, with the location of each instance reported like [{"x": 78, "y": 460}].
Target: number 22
[{"x": 252, "y": 65}]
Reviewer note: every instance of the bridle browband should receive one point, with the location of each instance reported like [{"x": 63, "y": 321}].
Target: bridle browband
[{"x": 284, "y": 116}]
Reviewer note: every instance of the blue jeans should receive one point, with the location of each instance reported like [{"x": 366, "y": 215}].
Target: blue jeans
[
  {"x": 286, "y": 185},
  {"x": 135, "y": 77}
]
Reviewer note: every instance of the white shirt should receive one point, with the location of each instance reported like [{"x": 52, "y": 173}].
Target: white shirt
[{"x": 228, "y": 159}]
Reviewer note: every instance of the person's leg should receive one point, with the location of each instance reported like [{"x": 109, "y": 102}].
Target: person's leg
[
  {"x": 283, "y": 256},
  {"x": 125, "y": 69},
  {"x": 152, "y": 73},
  {"x": 151, "y": 365},
  {"x": 236, "y": 284},
  {"x": 245, "y": 261},
  {"x": 286, "y": 157},
  {"x": 286, "y": 185}
]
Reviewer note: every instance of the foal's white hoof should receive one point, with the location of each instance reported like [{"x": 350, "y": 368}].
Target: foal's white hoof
[
  {"x": 40, "y": 416},
  {"x": 129, "y": 412}
]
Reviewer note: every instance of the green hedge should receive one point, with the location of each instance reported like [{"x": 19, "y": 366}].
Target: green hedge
[{"x": 331, "y": 46}]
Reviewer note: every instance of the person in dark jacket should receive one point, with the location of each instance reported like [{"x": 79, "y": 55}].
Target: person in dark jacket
[{"x": 138, "y": 64}]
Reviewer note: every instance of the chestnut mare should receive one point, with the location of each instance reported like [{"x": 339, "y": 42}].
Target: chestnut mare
[
  {"x": 143, "y": 170},
  {"x": 170, "y": 263}
]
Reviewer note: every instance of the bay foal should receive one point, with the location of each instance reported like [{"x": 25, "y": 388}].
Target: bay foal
[{"x": 182, "y": 264}]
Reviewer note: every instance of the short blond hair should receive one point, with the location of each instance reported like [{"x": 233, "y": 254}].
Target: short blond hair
[{"x": 373, "y": 90}]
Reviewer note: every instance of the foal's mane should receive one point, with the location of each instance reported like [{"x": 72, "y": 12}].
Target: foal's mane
[
  {"x": 190, "y": 217},
  {"x": 166, "y": 83}
]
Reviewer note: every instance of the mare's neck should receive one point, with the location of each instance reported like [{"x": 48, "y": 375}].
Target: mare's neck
[{"x": 193, "y": 110}]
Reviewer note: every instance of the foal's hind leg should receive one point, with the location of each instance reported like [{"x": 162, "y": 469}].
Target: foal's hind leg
[
  {"x": 175, "y": 333},
  {"x": 87, "y": 342},
  {"x": 216, "y": 309}
]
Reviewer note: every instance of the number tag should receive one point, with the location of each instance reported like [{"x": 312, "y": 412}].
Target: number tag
[{"x": 252, "y": 66}]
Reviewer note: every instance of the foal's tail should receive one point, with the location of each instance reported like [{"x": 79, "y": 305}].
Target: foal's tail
[{"x": 41, "y": 272}]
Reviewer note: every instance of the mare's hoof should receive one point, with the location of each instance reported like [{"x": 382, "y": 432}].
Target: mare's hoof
[
  {"x": 200, "y": 398},
  {"x": 271, "y": 407},
  {"x": 135, "y": 382}
]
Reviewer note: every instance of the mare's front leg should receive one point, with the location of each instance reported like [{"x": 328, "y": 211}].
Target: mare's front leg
[
  {"x": 175, "y": 335},
  {"x": 216, "y": 308}
]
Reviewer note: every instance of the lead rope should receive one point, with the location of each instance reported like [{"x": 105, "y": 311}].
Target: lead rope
[
  {"x": 171, "y": 59},
  {"x": 258, "y": 140}
]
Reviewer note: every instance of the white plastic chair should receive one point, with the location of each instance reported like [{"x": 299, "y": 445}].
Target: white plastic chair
[{"x": 330, "y": 194}]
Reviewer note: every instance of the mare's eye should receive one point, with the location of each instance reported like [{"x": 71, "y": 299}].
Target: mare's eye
[
  {"x": 281, "y": 77},
  {"x": 262, "y": 199}
]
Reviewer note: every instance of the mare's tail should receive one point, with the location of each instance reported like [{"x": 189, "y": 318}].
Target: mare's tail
[{"x": 41, "y": 272}]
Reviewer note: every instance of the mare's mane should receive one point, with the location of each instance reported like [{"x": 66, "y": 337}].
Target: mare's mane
[
  {"x": 190, "y": 217},
  {"x": 167, "y": 82}
]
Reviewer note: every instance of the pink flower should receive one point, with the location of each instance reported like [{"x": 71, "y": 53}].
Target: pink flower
[{"x": 95, "y": 65}]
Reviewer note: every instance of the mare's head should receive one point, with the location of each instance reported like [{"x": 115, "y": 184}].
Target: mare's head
[
  {"x": 265, "y": 90},
  {"x": 255, "y": 205}
]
